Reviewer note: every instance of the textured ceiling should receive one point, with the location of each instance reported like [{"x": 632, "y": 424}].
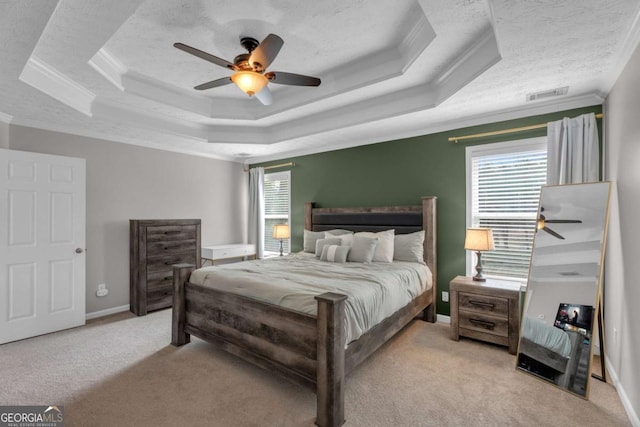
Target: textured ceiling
[{"x": 388, "y": 69}]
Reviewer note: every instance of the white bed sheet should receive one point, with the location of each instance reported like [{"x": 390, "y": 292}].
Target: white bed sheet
[
  {"x": 550, "y": 337},
  {"x": 375, "y": 291}
]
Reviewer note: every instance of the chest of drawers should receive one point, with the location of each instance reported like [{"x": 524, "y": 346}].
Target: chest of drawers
[
  {"x": 155, "y": 245},
  {"x": 487, "y": 311}
]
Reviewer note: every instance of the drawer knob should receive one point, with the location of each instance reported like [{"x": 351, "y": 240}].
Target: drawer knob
[
  {"x": 482, "y": 304},
  {"x": 483, "y": 323}
]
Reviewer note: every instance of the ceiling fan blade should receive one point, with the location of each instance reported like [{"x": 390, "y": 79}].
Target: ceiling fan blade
[
  {"x": 214, "y": 83},
  {"x": 264, "y": 96},
  {"x": 564, "y": 221},
  {"x": 265, "y": 52},
  {"x": 553, "y": 233},
  {"x": 292, "y": 79},
  {"x": 204, "y": 55}
]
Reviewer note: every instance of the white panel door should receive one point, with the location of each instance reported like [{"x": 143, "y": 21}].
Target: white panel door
[{"x": 42, "y": 241}]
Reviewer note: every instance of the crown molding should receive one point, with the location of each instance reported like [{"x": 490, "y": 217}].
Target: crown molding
[
  {"x": 47, "y": 79},
  {"x": 109, "y": 67},
  {"x": 140, "y": 142},
  {"x": 5, "y": 118},
  {"x": 355, "y": 139}
]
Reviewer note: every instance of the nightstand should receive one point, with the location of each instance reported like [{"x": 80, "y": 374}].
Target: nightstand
[{"x": 487, "y": 311}]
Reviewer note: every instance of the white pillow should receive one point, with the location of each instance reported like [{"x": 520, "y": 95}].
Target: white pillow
[
  {"x": 337, "y": 232},
  {"x": 335, "y": 253},
  {"x": 345, "y": 239},
  {"x": 362, "y": 249},
  {"x": 321, "y": 243},
  {"x": 384, "y": 249},
  {"x": 409, "y": 247},
  {"x": 309, "y": 241}
]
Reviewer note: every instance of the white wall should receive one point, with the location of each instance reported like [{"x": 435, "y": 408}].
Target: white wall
[
  {"x": 125, "y": 182},
  {"x": 622, "y": 268}
]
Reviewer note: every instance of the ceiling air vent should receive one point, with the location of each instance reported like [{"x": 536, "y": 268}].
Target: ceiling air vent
[{"x": 536, "y": 96}]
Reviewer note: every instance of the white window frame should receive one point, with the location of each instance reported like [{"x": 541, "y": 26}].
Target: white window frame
[
  {"x": 492, "y": 149},
  {"x": 273, "y": 176}
]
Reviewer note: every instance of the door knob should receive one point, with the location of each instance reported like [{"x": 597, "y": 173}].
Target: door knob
[{"x": 78, "y": 250}]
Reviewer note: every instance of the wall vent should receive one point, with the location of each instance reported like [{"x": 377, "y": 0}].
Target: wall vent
[{"x": 536, "y": 96}]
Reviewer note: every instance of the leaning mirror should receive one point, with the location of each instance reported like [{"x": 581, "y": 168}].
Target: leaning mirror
[{"x": 563, "y": 290}]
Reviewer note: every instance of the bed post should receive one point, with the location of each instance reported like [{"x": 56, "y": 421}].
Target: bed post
[
  {"x": 429, "y": 225},
  {"x": 181, "y": 274},
  {"x": 308, "y": 209},
  {"x": 330, "y": 360}
]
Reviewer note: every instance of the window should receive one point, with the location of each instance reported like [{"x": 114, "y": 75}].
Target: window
[
  {"x": 503, "y": 189},
  {"x": 277, "y": 205}
]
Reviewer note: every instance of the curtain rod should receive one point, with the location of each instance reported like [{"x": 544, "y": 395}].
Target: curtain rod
[
  {"x": 504, "y": 131},
  {"x": 281, "y": 165}
]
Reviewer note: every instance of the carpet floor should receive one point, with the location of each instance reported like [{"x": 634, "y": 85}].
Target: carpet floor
[{"x": 121, "y": 371}]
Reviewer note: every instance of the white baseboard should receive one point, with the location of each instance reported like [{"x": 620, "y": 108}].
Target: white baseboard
[
  {"x": 444, "y": 319},
  {"x": 108, "y": 311},
  {"x": 631, "y": 413}
]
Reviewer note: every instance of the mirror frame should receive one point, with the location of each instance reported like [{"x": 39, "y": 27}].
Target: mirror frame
[{"x": 597, "y": 316}]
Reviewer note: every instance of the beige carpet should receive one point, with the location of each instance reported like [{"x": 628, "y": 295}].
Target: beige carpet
[{"x": 122, "y": 371}]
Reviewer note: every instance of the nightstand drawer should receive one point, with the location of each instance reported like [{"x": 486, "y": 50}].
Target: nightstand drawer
[
  {"x": 483, "y": 304},
  {"x": 483, "y": 323}
]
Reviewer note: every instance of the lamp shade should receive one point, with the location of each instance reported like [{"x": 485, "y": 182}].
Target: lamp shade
[
  {"x": 281, "y": 231},
  {"x": 479, "y": 239},
  {"x": 249, "y": 82}
]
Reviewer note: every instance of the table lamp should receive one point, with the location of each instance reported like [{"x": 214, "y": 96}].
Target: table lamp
[
  {"x": 479, "y": 240},
  {"x": 281, "y": 232}
]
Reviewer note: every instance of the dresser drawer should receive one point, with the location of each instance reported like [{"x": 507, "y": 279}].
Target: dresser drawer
[
  {"x": 164, "y": 263},
  {"x": 483, "y": 323},
  {"x": 160, "y": 233},
  {"x": 483, "y": 304},
  {"x": 160, "y": 297},
  {"x": 170, "y": 247},
  {"x": 159, "y": 278}
]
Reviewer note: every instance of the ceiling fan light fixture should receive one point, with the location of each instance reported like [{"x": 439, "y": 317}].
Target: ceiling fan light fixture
[{"x": 249, "y": 82}]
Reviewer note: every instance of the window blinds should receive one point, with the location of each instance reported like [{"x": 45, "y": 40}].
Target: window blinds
[
  {"x": 276, "y": 208},
  {"x": 505, "y": 190}
]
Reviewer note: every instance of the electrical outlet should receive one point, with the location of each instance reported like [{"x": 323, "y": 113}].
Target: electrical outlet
[
  {"x": 102, "y": 290},
  {"x": 445, "y": 296}
]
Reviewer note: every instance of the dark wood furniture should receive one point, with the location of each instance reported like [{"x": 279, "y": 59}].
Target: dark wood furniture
[
  {"x": 487, "y": 311},
  {"x": 155, "y": 245},
  {"x": 306, "y": 349}
]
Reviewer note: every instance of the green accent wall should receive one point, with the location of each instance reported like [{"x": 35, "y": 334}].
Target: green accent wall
[{"x": 399, "y": 173}]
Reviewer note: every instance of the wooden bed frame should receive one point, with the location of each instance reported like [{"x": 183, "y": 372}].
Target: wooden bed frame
[{"x": 306, "y": 349}]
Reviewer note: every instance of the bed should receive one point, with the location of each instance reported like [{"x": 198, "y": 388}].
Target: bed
[
  {"x": 555, "y": 348},
  {"x": 309, "y": 349}
]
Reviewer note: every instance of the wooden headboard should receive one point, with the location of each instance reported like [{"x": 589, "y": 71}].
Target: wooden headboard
[{"x": 403, "y": 219}]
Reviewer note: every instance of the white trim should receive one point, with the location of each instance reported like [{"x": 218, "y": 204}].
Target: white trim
[
  {"x": 53, "y": 127},
  {"x": 359, "y": 138},
  {"x": 5, "y": 118},
  {"x": 109, "y": 67},
  {"x": 107, "y": 312},
  {"x": 624, "y": 398},
  {"x": 506, "y": 147},
  {"x": 443, "y": 318},
  {"x": 47, "y": 79}
]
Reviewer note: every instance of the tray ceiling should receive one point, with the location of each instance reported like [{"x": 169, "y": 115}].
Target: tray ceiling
[{"x": 388, "y": 69}]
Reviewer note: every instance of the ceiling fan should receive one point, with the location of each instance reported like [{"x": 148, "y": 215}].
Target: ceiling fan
[
  {"x": 250, "y": 68},
  {"x": 542, "y": 221}
]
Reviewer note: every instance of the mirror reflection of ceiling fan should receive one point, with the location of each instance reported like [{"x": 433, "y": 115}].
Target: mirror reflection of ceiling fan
[
  {"x": 250, "y": 68},
  {"x": 542, "y": 223}
]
